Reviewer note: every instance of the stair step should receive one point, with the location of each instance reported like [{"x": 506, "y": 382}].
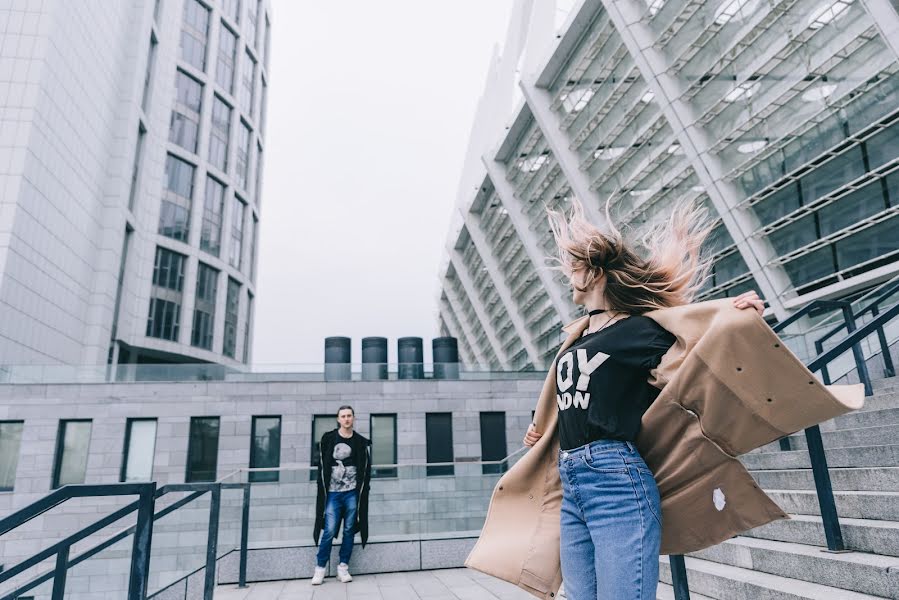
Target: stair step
[
  {"x": 864, "y": 535},
  {"x": 736, "y": 583},
  {"x": 871, "y": 479},
  {"x": 882, "y": 506},
  {"x": 867, "y": 418},
  {"x": 851, "y": 438},
  {"x": 666, "y": 592},
  {"x": 854, "y": 571},
  {"x": 859, "y": 456}
]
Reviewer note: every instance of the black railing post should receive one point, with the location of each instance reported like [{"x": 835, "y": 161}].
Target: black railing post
[
  {"x": 888, "y": 369},
  {"x": 244, "y": 536},
  {"x": 140, "y": 551},
  {"x": 857, "y": 352},
  {"x": 679, "y": 577},
  {"x": 819, "y": 349},
  {"x": 824, "y": 490},
  {"x": 59, "y": 577},
  {"x": 212, "y": 541}
]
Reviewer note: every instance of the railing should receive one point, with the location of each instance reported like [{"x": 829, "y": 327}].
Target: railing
[{"x": 138, "y": 587}]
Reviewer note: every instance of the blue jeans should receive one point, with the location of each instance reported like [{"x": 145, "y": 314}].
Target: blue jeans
[
  {"x": 338, "y": 504},
  {"x": 611, "y": 523}
]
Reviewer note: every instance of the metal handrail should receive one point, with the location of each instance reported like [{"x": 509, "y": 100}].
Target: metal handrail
[
  {"x": 58, "y": 574},
  {"x": 140, "y": 554}
]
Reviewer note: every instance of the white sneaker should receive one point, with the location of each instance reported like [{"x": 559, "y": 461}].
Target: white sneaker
[
  {"x": 343, "y": 573},
  {"x": 319, "y": 576}
]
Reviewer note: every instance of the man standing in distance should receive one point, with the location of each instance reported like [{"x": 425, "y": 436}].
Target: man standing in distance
[{"x": 343, "y": 480}]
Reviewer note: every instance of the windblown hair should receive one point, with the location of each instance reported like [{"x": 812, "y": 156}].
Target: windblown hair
[{"x": 670, "y": 272}]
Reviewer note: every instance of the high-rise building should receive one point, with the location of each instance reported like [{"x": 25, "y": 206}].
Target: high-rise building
[
  {"x": 131, "y": 152},
  {"x": 781, "y": 117}
]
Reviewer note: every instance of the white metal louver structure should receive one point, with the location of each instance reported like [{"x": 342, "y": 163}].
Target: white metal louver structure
[{"x": 781, "y": 117}]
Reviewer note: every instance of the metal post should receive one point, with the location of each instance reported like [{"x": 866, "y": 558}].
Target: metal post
[
  {"x": 140, "y": 552},
  {"x": 212, "y": 541},
  {"x": 857, "y": 352},
  {"x": 888, "y": 369},
  {"x": 679, "y": 577},
  {"x": 819, "y": 348},
  {"x": 824, "y": 490},
  {"x": 244, "y": 536},
  {"x": 59, "y": 577}
]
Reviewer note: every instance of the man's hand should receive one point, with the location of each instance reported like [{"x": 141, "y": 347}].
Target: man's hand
[
  {"x": 750, "y": 299},
  {"x": 531, "y": 437}
]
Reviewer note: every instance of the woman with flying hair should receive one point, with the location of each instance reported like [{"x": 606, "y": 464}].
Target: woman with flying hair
[
  {"x": 611, "y": 510},
  {"x": 636, "y": 437}
]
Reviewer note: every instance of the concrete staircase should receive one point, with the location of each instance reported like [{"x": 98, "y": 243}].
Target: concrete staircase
[{"x": 787, "y": 560}]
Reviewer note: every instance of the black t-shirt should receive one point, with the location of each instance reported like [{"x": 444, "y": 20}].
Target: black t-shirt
[
  {"x": 346, "y": 463},
  {"x": 601, "y": 381}
]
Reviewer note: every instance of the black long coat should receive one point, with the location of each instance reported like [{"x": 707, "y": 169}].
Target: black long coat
[{"x": 362, "y": 445}]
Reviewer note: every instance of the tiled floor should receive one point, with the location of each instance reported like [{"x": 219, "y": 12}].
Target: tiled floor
[{"x": 449, "y": 584}]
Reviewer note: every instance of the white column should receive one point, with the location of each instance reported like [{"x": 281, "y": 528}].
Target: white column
[
  {"x": 540, "y": 102},
  {"x": 497, "y": 173},
  {"x": 887, "y": 21},
  {"x": 740, "y": 222},
  {"x": 468, "y": 285},
  {"x": 453, "y": 304},
  {"x": 473, "y": 225}
]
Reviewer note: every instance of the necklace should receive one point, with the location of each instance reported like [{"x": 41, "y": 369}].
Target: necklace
[{"x": 597, "y": 311}]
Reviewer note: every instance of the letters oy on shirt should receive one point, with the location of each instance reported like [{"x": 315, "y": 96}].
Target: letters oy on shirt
[{"x": 565, "y": 378}]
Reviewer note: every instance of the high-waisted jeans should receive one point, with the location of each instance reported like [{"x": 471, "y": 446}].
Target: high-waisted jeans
[{"x": 611, "y": 523}]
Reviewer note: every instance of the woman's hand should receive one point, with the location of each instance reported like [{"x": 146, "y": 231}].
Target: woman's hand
[
  {"x": 751, "y": 298},
  {"x": 531, "y": 437}
]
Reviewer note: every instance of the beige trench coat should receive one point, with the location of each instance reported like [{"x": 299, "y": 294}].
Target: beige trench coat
[{"x": 728, "y": 385}]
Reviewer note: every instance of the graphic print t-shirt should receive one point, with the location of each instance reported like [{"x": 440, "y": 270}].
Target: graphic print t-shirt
[
  {"x": 343, "y": 473},
  {"x": 601, "y": 381}
]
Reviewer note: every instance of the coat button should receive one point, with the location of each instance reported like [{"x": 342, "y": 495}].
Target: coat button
[{"x": 530, "y": 496}]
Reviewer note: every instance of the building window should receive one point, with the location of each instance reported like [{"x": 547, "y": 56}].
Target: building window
[
  {"x": 235, "y": 249},
  {"x": 254, "y": 242},
  {"x": 247, "y": 84},
  {"x": 266, "y": 447},
  {"x": 213, "y": 211},
  {"x": 202, "y": 449},
  {"x": 224, "y": 67},
  {"x": 439, "y": 440},
  {"x": 232, "y": 305},
  {"x": 185, "y": 121},
  {"x": 247, "y": 326},
  {"x": 148, "y": 76},
  {"x": 72, "y": 443},
  {"x": 135, "y": 168},
  {"x": 257, "y": 187},
  {"x": 219, "y": 134},
  {"x": 174, "y": 214},
  {"x": 165, "y": 302},
  {"x": 493, "y": 441},
  {"x": 231, "y": 8},
  {"x": 204, "y": 307},
  {"x": 252, "y": 18},
  {"x": 10, "y": 442},
  {"x": 140, "y": 446},
  {"x": 383, "y": 445},
  {"x": 194, "y": 31},
  {"x": 321, "y": 424},
  {"x": 243, "y": 154}
]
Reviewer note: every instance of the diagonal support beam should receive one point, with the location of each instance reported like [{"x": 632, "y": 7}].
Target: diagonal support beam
[
  {"x": 455, "y": 306},
  {"x": 540, "y": 102},
  {"x": 886, "y": 18},
  {"x": 681, "y": 116},
  {"x": 474, "y": 299},
  {"x": 473, "y": 225},
  {"x": 453, "y": 326},
  {"x": 497, "y": 173}
]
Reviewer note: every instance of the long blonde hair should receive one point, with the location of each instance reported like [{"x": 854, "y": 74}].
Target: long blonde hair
[{"x": 671, "y": 273}]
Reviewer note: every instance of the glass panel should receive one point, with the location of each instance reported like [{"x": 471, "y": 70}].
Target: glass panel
[
  {"x": 810, "y": 267},
  {"x": 148, "y": 76},
  {"x": 72, "y": 452},
  {"x": 795, "y": 235},
  {"x": 139, "y": 451},
  {"x": 778, "y": 204},
  {"x": 321, "y": 424},
  {"x": 246, "y": 329},
  {"x": 10, "y": 441},
  {"x": 266, "y": 448},
  {"x": 185, "y": 122},
  {"x": 164, "y": 320},
  {"x": 243, "y": 154},
  {"x": 852, "y": 208},
  {"x": 213, "y": 210},
  {"x": 224, "y": 67},
  {"x": 439, "y": 440},
  {"x": 868, "y": 244},
  {"x": 232, "y": 9},
  {"x": 493, "y": 440},
  {"x": 383, "y": 444},
  {"x": 832, "y": 174},
  {"x": 194, "y": 30},
  {"x": 237, "y": 222},
  {"x": 168, "y": 269},
  {"x": 219, "y": 134},
  {"x": 202, "y": 452},
  {"x": 729, "y": 267},
  {"x": 231, "y": 310},
  {"x": 883, "y": 147},
  {"x": 247, "y": 84},
  {"x": 204, "y": 309}
]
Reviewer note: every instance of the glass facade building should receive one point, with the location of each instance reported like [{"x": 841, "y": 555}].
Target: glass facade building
[{"x": 781, "y": 118}]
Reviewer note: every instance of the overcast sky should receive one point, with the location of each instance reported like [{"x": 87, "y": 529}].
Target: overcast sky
[{"x": 369, "y": 111}]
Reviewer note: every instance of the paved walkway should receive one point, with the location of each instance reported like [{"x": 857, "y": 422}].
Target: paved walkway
[{"x": 448, "y": 584}]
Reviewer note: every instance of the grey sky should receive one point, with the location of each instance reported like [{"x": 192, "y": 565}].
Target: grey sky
[{"x": 369, "y": 111}]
